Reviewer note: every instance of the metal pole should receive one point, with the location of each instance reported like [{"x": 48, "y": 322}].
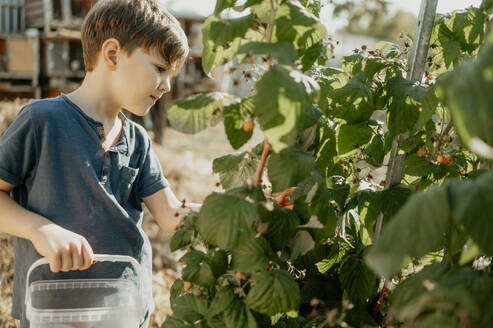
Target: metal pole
[{"x": 416, "y": 67}]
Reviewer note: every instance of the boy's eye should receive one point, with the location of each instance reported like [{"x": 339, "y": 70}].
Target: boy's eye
[{"x": 160, "y": 69}]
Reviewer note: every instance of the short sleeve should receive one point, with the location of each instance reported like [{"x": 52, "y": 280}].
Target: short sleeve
[
  {"x": 18, "y": 149},
  {"x": 151, "y": 178}
]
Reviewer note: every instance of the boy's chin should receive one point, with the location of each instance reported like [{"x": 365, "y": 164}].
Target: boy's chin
[{"x": 139, "y": 111}]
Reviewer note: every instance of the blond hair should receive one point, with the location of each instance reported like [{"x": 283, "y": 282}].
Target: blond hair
[{"x": 134, "y": 23}]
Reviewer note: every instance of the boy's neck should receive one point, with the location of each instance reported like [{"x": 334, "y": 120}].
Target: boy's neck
[{"x": 95, "y": 99}]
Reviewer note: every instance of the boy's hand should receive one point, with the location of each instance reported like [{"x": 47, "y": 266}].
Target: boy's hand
[{"x": 64, "y": 249}]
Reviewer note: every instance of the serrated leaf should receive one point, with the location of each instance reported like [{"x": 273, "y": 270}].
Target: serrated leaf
[
  {"x": 463, "y": 93},
  {"x": 223, "y": 31},
  {"x": 354, "y": 102},
  {"x": 393, "y": 199},
  {"x": 358, "y": 280},
  {"x": 273, "y": 292},
  {"x": 223, "y": 217},
  {"x": 301, "y": 244},
  {"x": 338, "y": 251},
  {"x": 180, "y": 239},
  {"x": 199, "y": 273},
  {"x": 239, "y": 316},
  {"x": 418, "y": 166},
  {"x": 282, "y": 225},
  {"x": 375, "y": 151},
  {"x": 469, "y": 199},
  {"x": 352, "y": 137},
  {"x": 282, "y": 104},
  {"x": 426, "y": 214},
  {"x": 296, "y": 25},
  {"x": 218, "y": 261},
  {"x": 288, "y": 168},
  {"x": 223, "y": 299},
  {"x": 235, "y": 169},
  {"x": 251, "y": 254},
  {"x": 198, "y": 112},
  {"x": 234, "y": 121},
  {"x": 404, "y": 106},
  {"x": 189, "y": 308},
  {"x": 284, "y": 51}
]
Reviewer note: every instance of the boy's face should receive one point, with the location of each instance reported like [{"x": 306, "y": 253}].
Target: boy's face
[{"x": 140, "y": 80}]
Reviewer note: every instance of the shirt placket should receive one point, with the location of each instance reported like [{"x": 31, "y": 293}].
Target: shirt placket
[{"x": 106, "y": 158}]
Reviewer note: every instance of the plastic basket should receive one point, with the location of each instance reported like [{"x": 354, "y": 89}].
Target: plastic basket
[{"x": 85, "y": 303}]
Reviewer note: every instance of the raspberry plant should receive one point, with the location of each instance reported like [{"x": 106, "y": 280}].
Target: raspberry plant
[{"x": 299, "y": 246}]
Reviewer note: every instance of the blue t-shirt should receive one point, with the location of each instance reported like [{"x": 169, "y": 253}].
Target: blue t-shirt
[{"x": 52, "y": 153}]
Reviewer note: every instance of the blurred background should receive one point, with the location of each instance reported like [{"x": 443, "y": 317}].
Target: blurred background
[{"x": 41, "y": 56}]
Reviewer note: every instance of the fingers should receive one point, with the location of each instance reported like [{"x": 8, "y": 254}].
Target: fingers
[
  {"x": 66, "y": 261},
  {"x": 87, "y": 255},
  {"x": 55, "y": 263}
]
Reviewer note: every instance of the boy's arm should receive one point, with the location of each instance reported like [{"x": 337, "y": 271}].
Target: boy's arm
[
  {"x": 64, "y": 249},
  {"x": 164, "y": 206}
]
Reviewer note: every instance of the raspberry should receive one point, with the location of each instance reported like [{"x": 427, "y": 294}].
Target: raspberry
[
  {"x": 422, "y": 152},
  {"x": 187, "y": 285},
  {"x": 239, "y": 276},
  {"x": 248, "y": 126}
]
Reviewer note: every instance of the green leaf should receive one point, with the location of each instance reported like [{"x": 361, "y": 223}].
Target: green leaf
[
  {"x": 404, "y": 109},
  {"x": 301, "y": 244},
  {"x": 235, "y": 169},
  {"x": 393, "y": 199},
  {"x": 375, "y": 151},
  {"x": 282, "y": 104},
  {"x": 426, "y": 216},
  {"x": 223, "y": 299},
  {"x": 469, "y": 199},
  {"x": 273, "y": 292},
  {"x": 418, "y": 166},
  {"x": 339, "y": 249},
  {"x": 180, "y": 239},
  {"x": 198, "y": 112},
  {"x": 189, "y": 308},
  {"x": 284, "y": 51},
  {"x": 369, "y": 208},
  {"x": 296, "y": 25},
  {"x": 218, "y": 261},
  {"x": 234, "y": 121},
  {"x": 358, "y": 280},
  {"x": 223, "y": 4},
  {"x": 239, "y": 316},
  {"x": 223, "y": 31},
  {"x": 288, "y": 168},
  {"x": 312, "y": 54},
  {"x": 354, "y": 102},
  {"x": 251, "y": 254},
  {"x": 172, "y": 322},
  {"x": 353, "y": 136},
  {"x": 282, "y": 225},
  {"x": 223, "y": 217},
  {"x": 197, "y": 270},
  {"x": 463, "y": 91},
  {"x": 358, "y": 63}
]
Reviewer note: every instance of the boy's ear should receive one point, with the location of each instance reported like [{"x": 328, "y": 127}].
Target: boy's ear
[{"x": 109, "y": 51}]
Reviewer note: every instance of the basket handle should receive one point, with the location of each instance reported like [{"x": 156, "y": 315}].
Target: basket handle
[{"x": 97, "y": 257}]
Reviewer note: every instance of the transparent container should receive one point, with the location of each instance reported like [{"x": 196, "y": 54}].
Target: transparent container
[{"x": 85, "y": 303}]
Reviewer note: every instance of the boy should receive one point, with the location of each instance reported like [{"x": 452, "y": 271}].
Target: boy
[{"x": 78, "y": 169}]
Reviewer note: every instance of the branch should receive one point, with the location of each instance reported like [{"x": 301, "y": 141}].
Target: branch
[{"x": 260, "y": 168}]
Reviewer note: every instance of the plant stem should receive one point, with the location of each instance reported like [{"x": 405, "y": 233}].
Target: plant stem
[
  {"x": 272, "y": 21},
  {"x": 440, "y": 142},
  {"x": 260, "y": 168}
]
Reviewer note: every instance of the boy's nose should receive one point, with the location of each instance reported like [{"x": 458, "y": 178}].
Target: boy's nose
[{"x": 165, "y": 86}]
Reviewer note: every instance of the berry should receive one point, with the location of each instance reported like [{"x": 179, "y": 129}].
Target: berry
[
  {"x": 382, "y": 183},
  {"x": 261, "y": 228},
  {"x": 422, "y": 152},
  {"x": 178, "y": 227},
  {"x": 197, "y": 292},
  {"x": 239, "y": 276},
  {"x": 249, "y": 61},
  {"x": 248, "y": 125},
  {"x": 187, "y": 285}
]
